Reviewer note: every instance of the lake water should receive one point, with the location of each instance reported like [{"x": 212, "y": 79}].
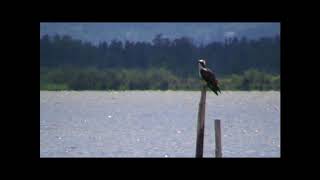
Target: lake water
[{"x": 157, "y": 123}]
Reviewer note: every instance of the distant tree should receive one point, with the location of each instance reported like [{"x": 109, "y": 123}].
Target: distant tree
[{"x": 179, "y": 56}]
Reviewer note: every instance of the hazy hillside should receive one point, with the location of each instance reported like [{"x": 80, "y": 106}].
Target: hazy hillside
[{"x": 200, "y": 32}]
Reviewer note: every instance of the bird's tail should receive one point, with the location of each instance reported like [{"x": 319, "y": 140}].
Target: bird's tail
[
  {"x": 218, "y": 89},
  {"x": 214, "y": 88}
]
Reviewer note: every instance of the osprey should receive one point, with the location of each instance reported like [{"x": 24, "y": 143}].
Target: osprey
[{"x": 208, "y": 75}]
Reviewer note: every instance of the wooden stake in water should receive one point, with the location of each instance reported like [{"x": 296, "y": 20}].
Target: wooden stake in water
[
  {"x": 217, "y": 129},
  {"x": 201, "y": 118}
]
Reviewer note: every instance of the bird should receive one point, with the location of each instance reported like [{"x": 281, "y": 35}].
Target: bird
[{"x": 208, "y": 76}]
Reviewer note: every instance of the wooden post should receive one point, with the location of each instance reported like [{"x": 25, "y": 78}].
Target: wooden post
[
  {"x": 217, "y": 128},
  {"x": 200, "y": 127}
]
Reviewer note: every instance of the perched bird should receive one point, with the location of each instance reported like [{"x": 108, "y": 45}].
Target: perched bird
[{"x": 208, "y": 75}]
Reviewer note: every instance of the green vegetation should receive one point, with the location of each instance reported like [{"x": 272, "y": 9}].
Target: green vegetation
[
  {"x": 240, "y": 64},
  {"x": 178, "y": 56},
  {"x": 150, "y": 79},
  {"x": 251, "y": 80}
]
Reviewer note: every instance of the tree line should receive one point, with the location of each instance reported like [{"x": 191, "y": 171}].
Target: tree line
[
  {"x": 240, "y": 64},
  {"x": 178, "y": 55}
]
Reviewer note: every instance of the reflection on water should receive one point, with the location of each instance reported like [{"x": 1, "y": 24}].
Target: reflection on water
[{"x": 156, "y": 123}]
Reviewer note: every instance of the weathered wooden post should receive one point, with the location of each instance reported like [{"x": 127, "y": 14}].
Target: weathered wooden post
[
  {"x": 217, "y": 127},
  {"x": 201, "y": 118}
]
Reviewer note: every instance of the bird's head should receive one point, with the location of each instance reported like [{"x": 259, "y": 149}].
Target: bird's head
[{"x": 202, "y": 63}]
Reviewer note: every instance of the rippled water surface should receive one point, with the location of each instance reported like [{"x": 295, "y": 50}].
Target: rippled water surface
[{"x": 156, "y": 123}]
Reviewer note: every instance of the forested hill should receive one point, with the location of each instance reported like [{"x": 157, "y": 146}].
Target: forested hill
[{"x": 179, "y": 56}]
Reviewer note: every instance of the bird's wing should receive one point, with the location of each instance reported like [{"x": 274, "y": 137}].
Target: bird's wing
[{"x": 208, "y": 75}]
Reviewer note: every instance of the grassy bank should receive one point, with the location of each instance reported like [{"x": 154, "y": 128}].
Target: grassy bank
[{"x": 151, "y": 79}]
